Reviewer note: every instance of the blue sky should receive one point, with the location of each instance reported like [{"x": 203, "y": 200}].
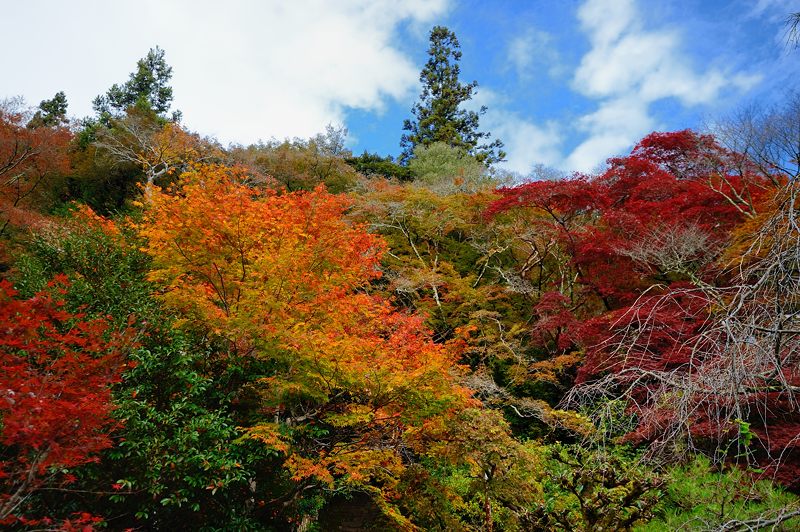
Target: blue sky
[
  {"x": 561, "y": 94},
  {"x": 568, "y": 83}
]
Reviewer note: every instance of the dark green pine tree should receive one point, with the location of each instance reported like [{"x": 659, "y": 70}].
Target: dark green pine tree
[
  {"x": 148, "y": 87},
  {"x": 439, "y": 116},
  {"x": 51, "y": 113}
]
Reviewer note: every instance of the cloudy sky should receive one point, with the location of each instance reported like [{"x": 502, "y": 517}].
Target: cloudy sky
[{"x": 568, "y": 83}]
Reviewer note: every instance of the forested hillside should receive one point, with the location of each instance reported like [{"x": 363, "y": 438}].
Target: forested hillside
[{"x": 290, "y": 336}]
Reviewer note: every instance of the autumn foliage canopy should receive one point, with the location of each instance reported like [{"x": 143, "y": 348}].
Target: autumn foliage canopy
[
  {"x": 264, "y": 338},
  {"x": 55, "y": 397}
]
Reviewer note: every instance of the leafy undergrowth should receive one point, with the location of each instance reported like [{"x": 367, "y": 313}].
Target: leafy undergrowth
[{"x": 700, "y": 497}]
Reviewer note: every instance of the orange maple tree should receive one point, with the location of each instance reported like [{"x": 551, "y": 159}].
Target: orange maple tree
[{"x": 284, "y": 277}]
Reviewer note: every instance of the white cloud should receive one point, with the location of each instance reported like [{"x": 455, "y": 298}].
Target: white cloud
[
  {"x": 534, "y": 51},
  {"x": 242, "y": 71},
  {"x": 611, "y": 129},
  {"x": 526, "y": 143},
  {"x": 520, "y": 53},
  {"x": 618, "y": 66},
  {"x": 629, "y": 67},
  {"x": 606, "y": 20}
]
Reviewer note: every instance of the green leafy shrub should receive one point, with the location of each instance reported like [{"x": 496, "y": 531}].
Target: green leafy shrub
[
  {"x": 587, "y": 489},
  {"x": 700, "y": 496},
  {"x": 177, "y": 460}
]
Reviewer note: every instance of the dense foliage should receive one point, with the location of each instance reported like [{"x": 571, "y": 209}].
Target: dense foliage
[{"x": 284, "y": 336}]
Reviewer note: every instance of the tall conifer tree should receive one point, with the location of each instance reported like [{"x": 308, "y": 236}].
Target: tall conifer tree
[{"x": 439, "y": 115}]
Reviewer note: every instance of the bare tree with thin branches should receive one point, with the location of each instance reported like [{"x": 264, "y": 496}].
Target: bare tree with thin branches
[{"x": 793, "y": 29}]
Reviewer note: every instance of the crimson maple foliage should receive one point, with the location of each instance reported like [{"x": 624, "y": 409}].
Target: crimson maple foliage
[
  {"x": 640, "y": 241},
  {"x": 55, "y": 399},
  {"x": 670, "y": 180},
  {"x": 556, "y": 324}
]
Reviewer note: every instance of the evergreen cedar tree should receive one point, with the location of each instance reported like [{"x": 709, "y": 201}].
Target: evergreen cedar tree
[{"x": 439, "y": 116}]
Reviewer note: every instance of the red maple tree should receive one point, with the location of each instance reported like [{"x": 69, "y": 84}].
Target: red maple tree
[{"x": 55, "y": 398}]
